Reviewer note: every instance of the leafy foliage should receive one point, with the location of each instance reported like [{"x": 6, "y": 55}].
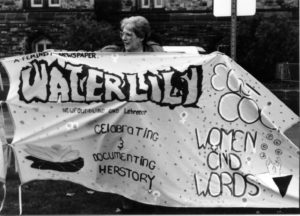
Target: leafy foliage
[
  {"x": 85, "y": 33},
  {"x": 107, "y": 9},
  {"x": 263, "y": 42}
]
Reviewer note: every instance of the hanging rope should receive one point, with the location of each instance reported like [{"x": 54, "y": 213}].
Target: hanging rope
[
  {"x": 4, "y": 197},
  {"x": 16, "y": 165},
  {"x": 20, "y": 200},
  {"x": 1, "y": 83}
]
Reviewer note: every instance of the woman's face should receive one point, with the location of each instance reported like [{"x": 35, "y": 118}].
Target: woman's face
[{"x": 132, "y": 43}]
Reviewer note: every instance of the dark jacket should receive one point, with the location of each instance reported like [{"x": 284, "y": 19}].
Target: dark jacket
[{"x": 150, "y": 46}]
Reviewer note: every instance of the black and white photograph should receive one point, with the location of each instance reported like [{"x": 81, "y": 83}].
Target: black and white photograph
[{"x": 112, "y": 107}]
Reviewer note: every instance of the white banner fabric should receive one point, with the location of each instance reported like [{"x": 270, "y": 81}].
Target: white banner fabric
[
  {"x": 3, "y": 146},
  {"x": 175, "y": 130}
]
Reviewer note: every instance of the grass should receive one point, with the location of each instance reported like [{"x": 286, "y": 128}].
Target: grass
[{"x": 50, "y": 197}]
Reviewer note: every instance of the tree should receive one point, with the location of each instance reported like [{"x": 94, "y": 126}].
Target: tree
[
  {"x": 263, "y": 42},
  {"x": 85, "y": 33},
  {"x": 108, "y": 9}
]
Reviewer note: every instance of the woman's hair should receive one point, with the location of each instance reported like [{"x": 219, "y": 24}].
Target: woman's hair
[{"x": 140, "y": 26}]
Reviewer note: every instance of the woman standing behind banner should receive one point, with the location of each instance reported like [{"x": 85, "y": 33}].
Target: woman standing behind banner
[{"x": 135, "y": 33}]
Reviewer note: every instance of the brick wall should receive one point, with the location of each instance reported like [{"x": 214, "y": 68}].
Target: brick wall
[
  {"x": 203, "y": 5},
  {"x": 78, "y": 4},
  {"x": 196, "y": 29},
  {"x": 18, "y": 30},
  {"x": 174, "y": 5},
  {"x": 169, "y": 5},
  {"x": 20, "y": 26},
  {"x": 186, "y": 29},
  {"x": 13, "y": 5}
]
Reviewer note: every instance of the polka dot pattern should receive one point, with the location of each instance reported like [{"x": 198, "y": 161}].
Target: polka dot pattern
[{"x": 222, "y": 152}]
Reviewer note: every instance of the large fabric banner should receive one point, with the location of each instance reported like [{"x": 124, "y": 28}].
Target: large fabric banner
[
  {"x": 166, "y": 129},
  {"x": 4, "y": 153}
]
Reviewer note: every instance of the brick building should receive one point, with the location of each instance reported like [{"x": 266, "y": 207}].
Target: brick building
[{"x": 32, "y": 25}]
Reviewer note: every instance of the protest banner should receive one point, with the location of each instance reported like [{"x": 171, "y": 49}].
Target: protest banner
[
  {"x": 3, "y": 159},
  {"x": 168, "y": 129},
  {"x": 4, "y": 152}
]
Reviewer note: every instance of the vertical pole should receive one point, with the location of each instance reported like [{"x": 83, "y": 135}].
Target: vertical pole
[
  {"x": 233, "y": 29},
  {"x": 1, "y": 81}
]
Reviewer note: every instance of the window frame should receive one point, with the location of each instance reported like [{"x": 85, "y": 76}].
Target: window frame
[
  {"x": 50, "y": 4},
  {"x": 143, "y": 5},
  {"x": 34, "y": 5},
  {"x": 156, "y": 5},
  {"x": 44, "y": 42}
]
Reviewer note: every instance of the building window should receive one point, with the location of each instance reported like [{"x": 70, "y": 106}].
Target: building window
[
  {"x": 42, "y": 45},
  {"x": 54, "y": 3},
  {"x": 45, "y": 3},
  {"x": 36, "y": 3},
  {"x": 158, "y": 4},
  {"x": 128, "y": 5},
  {"x": 145, "y": 3}
]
